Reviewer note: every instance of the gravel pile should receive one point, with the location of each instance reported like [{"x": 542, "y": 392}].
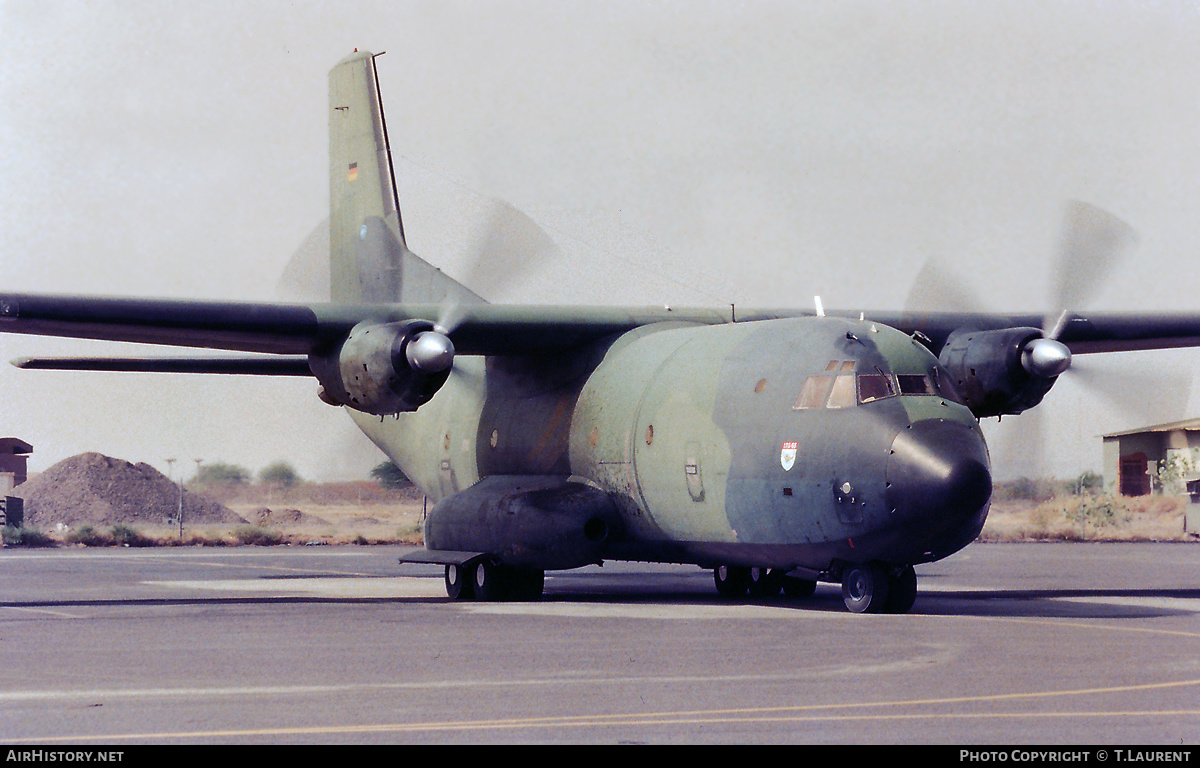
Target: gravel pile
[
  {"x": 93, "y": 488},
  {"x": 265, "y": 516}
]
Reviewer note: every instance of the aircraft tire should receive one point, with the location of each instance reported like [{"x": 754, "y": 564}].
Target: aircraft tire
[
  {"x": 794, "y": 587},
  {"x": 902, "y": 591},
  {"x": 732, "y": 581},
  {"x": 763, "y": 582},
  {"x": 865, "y": 588},
  {"x": 525, "y": 584},
  {"x": 458, "y": 582},
  {"x": 488, "y": 580}
]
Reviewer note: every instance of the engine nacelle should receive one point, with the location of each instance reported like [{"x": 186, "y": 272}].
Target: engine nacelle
[
  {"x": 385, "y": 369},
  {"x": 992, "y": 372}
]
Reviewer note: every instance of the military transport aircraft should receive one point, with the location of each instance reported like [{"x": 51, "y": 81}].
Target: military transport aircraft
[{"x": 778, "y": 448}]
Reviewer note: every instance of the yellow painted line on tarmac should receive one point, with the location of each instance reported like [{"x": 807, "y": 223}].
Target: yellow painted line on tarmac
[
  {"x": 1065, "y": 624},
  {"x": 275, "y": 567},
  {"x": 584, "y": 721},
  {"x": 784, "y": 714}
]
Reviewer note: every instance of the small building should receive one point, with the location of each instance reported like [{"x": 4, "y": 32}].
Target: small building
[
  {"x": 1161, "y": 457},
  {"x": 14, "y": 458}
]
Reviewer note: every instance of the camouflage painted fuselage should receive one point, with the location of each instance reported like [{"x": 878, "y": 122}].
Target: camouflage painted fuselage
[{"x": 796, "y": 443}]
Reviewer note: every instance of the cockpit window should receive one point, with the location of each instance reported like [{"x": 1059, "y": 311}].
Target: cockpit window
[
  {"x": 840, "y": 387},
  {"x": 843, "y": 394},
  {"x": 927, "y": 384},
  {"x": 812, "y": 395},
  {"x": 915, "y": 384},
  {"x": 874, "y": 386}
]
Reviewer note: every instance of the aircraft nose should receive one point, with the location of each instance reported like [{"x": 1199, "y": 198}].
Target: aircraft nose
[{"x": 939, "y": 482}]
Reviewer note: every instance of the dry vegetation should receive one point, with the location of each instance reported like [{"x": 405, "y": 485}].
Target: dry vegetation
[
  {"x": 93, "y": 500},
  {"x": 1088, "y": 518},
  {"x": 364, "y": 513},
  {"x": 330, "y": 513}
]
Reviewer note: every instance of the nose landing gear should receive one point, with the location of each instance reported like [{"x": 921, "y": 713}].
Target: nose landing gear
[
  {"x": 879, "y": 588},
  {"x": 872, "y": 587}
]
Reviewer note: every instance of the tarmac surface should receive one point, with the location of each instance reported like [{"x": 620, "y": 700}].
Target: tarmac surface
[{"x": 1013, "y": 644}]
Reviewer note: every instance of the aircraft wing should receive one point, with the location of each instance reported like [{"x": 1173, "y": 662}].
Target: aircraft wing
[
  {"x": 284, "y": 331},
  {"x": 494, "y": 329},
  {"x": 270, "y": 328},
  {"x": 1082, "y": 333},
  {"x": 388, "y": 358}
]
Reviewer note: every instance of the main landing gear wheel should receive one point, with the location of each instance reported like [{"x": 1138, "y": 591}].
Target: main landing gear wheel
[
  {"x": 736, "y": 582},
  {"x": 876, "y": 588},
  {"x": 458, "y": 582},
  {"x": 797, "y": 587},
  {"x": 524, "y": 584},
  {"x": 489, "y": 580},
  {"x": 732, "y": 581},
  {"x": 764, "y": 582}
]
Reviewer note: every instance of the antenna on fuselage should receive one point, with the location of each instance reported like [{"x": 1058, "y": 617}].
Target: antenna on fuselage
[{"x": 820, "y": 306}]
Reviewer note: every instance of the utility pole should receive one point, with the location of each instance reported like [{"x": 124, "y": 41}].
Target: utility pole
[
  {"x": 179, "y": 510},
  {"x": 181, "y": 502}
]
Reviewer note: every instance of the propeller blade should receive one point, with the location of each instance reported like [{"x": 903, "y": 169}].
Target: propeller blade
[
  {"x": 306, "y": 276},
  {"x": 1156, "y": 398},
  {"x": 1093, "y": 241},
  {"x": 937, "y": 289},
  {"x": 510, "y": 246}
]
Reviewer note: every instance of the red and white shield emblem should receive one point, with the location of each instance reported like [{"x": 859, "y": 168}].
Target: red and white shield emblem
[{"x": 787, "y": 456}]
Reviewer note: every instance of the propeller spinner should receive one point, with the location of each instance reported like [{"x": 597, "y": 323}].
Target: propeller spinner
[{"x": 430, "y": 352}]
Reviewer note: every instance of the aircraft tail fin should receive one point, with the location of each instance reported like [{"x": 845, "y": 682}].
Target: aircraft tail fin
[{"x": 368, "y": 258}]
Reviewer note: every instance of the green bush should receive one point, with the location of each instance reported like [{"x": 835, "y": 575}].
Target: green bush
[
  {"x": 390, "y": 476},
  {"x": 221, "y": 475},
  {"x": 253, "y": 534},
  {"x": 88, "y": 536},
  {"x": 280, "y": 474},
  {"x": 26, "y": 537},
  {"x": 127, "y": 536},
  {"x": 1097, "y": 512}
]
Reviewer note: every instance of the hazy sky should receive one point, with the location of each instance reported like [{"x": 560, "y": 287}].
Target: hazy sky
[{"x": 679, "y": 152}]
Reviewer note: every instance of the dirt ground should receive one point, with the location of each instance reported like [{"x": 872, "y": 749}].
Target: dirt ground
[
  {"x": 349, "y": 513},
  {"x": 382, "y": 521}
]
